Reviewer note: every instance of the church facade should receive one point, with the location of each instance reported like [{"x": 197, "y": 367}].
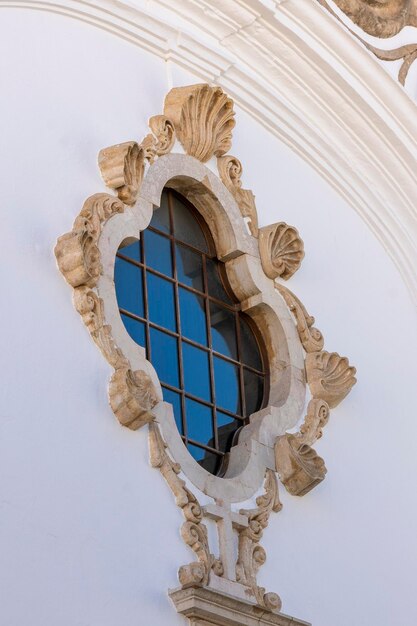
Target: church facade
[{"x": 209, "y": 313}]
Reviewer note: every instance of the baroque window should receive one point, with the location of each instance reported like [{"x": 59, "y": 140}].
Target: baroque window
[
  {"x": 174, "y": 300},
  {"x": 184, "y": 295}
]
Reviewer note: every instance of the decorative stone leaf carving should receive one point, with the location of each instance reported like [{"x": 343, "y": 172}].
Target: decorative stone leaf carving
[
  {"x": 230, "y": 170},
  {"x": 251, "y": 555},
  {"x": 310, "y": 337},
  {"x": 132, "y": 397},
  {"x": 161, "y": 141},
  {"x": 299, "y": 466},
  {"x": 76, "y": 252},
  {"x": 330, "y": 377},
  {"x": 193, "y": 531},
  {"x": 203, "y": 118},
  {"x": 91, "y": 309},
  {"x": 122, "y": 167},
  {"x": 282, "y": 250},
  {"x": 379, "y": 18},
  {"x": 318, "y": 414}
]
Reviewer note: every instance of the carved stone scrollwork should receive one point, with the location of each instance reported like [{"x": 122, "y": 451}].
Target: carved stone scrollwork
[
  {"x": 193, "y": 531},
  {"x": 131, "y": 394},
  {"x": 91, "y": 309},
  {"x": 318, "y": 414},
  {"x": 282, "y": 250},
  {"x": 310, "y": 337},
  {"x": 381, "y": 18},
  {"x": 329, "y": 376},
  {"x": 299, "y": 466},
  {"x": 203, "y": 118},
  {"x": 230, "y": 170},
  {"x": 251, "y": 555},
  {"x": 161, "y": 141},
  {"x": 122, "y": 167},
  {"x": 76, "y": 252}
]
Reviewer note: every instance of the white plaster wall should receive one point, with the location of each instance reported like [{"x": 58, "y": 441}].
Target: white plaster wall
[{"x": 88, "y": 531}]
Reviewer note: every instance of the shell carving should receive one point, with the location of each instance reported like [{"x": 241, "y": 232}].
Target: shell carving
[
  {"x": 122, "y": 167},
  {"x": 203, "y": 118},
  {"x": 132, "y": 397},
  {"x": 299, "y": 466},
  {"x": 330, "y": 377},
  {"x": 282, "y": 250}
]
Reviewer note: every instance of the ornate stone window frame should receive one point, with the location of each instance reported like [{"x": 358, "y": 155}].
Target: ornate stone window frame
[
  {"x": 196, "y": 127},
  {"x": 240, "y": 253}
]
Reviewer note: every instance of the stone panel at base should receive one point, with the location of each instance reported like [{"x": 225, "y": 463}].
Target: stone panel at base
[{"x": 206, "y": 607}]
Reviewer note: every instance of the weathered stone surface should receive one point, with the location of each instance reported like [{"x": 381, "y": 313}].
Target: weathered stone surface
[{"x": 206, "y": 607}]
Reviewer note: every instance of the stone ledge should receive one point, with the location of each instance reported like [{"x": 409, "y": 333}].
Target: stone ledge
[{"x": 206, "y": 607}]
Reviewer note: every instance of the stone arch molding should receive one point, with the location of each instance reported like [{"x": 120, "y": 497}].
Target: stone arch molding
[
  {"x": 320, "y": 92},
  {"x": 196, "y": 127}
]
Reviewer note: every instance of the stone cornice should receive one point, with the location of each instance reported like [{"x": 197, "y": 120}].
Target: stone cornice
[{"x": 305, "y": 78}]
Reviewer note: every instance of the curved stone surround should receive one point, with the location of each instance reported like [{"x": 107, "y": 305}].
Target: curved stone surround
[
  {"x": 320, "y": 92},
  {"x": 260, "y": 300},
  {"x": 201, "y": 119}
]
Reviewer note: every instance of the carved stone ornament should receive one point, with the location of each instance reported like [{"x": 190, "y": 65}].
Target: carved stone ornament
[
  {"x": 251, "y": 553},
  {"x": 230, "y": 170},
  {"x": 330, "y": 377},
  {"x": 282, "y": 250},
  {"x": 201, "y": 118},
  {"x": 381, "y": 18},
  {"x": 299, "y": 466}
]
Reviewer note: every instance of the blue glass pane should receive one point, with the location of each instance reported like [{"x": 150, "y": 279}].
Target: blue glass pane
[
  {"x": 215, "y": 283},
  {"x": 223, "y": 331},
  {"x": 174, "y": 399},
  {"x": 196, "y": 371},
  {"x": 226, "y": 383},
  {"x": 135, "y": 329},
  {"x": 193, "y": 316},
  {"x": 186, "y": 227},
  {"x": 189, "y": 267},
  {"x": 254, "y": 392},
  {"x": 196, "y": 452},
  {"x": 158, "y": 252},
  {"x": 226, "y": 429},
  {"x": 164, "y": 356},
  {"x": 128, "y": 283},
  {"x": 161, "y": 303},
  {"x": 160, "y": 218},
  {"x": 199, "y": 422},
  {"x": 249, "y": 346},
  {"x": 131, "y": 250},
  {"x": 208, "y": 460}
]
